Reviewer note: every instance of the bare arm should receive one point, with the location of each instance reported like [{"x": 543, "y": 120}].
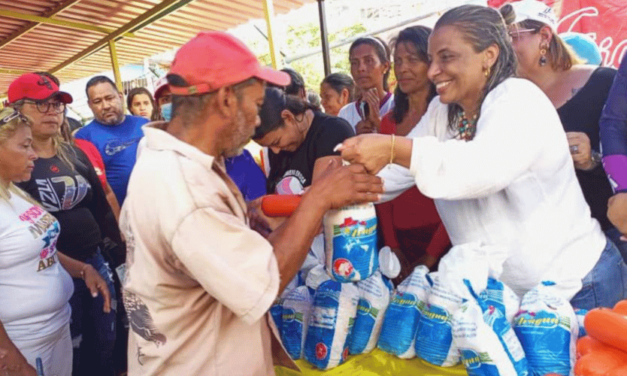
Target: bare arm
[
  {"x": 113, "y": 201},
  {"x": 11, "y": 359},
  {"x": 92, "y": 278}
]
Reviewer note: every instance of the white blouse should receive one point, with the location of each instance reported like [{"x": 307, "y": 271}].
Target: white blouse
[{"x": 512, "y": 188}]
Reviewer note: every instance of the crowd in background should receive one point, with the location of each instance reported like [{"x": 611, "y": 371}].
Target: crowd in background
[{"x": 486, "y": 156}]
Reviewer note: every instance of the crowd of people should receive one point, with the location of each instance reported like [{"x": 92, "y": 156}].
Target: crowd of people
[{"x": 137, "y": 242}]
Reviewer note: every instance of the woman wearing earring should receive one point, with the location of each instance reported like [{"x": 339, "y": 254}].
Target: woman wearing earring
[
  {"x": 578, "y": 92},
  {"x": 370, "y": 67},
  {"x": 301, "y": 139},
  {"x": 492, "y": 153}
]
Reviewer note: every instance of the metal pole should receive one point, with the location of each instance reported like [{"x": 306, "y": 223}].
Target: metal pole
[
  {"x": 268, "y": 11},
  {"x": 324, "y": 38},
  {"x": 116, "y": 66}
]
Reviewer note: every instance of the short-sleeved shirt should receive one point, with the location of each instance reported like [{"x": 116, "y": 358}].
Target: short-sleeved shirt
[
  {"x": 199, "y": 281},
  {"x": 95, "y": 158},
  {"x": 73, "y": 194},
  {"x": 34, "y": 288},
  {"x": 247, "y": 175},
  {"x": 117, "y": 145},
  {"x": 291, "y": 172}
]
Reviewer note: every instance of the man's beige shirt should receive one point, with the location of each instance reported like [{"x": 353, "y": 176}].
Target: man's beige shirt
[{"x": 199, "y": 281}]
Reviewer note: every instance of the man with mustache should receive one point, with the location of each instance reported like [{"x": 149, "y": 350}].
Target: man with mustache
[
  {"x": 114, "y": 134},
  {"x": 199, "y": 281}
]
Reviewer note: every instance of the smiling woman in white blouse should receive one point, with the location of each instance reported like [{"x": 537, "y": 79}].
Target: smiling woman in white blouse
[{"x": 493, "y": 154}]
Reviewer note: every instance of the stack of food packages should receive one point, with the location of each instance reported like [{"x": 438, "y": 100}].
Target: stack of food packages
[{"x": 343, "y": 303}]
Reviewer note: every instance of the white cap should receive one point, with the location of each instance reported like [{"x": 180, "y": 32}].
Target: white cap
[{"x": 536, "y": 11}]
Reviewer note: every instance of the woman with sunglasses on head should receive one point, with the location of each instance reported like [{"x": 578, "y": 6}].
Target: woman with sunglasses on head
[
  {"x": 37, "y": 327},
  {"x": 65, "y": 183},
  {"x": 410, "y": 224},
  {"x": 578, "y": 92},
  {"x": 370, "y": 67},
  {"x": 492, "y": 153}
]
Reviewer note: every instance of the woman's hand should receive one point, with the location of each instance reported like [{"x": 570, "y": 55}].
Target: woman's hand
[
  {"x": 580, "y": 150},
  {"x": 374, "y": 117},
  {"x": 96, "y": 283},
  {"x": 373, "y": 151},
  {"x": 13, "y": 363},
  {"x": 259, "y": 222}
]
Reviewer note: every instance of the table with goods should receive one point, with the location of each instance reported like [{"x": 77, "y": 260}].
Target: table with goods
[{"x": 342, "y": 315}]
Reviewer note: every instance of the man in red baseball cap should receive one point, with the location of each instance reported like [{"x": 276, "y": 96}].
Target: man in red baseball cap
[{"x": 199, "y": 281}]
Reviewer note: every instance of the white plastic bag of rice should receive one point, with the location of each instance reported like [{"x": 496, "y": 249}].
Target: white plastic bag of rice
[
  {"x": 434, "y": 339},
  {"x": 330, "y": 324},
  {"x": 401, "y": 319},
  {"x": 296, "y": 310},
  {"x": 374, "y": 298},
  {"x": 501, "y": 297},
  {"x": 548, "y": 330}
]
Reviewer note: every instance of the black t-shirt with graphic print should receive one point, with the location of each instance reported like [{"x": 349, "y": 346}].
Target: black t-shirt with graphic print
[
  {"x": 76, "y": 198},
  {"x": 291, "y": 172}
]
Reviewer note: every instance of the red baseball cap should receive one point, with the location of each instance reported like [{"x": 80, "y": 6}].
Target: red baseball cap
[
  {"x": 162, "y": 84},
  {"x": 212, "y": 60},
  {"x": 36, "y": 87}
]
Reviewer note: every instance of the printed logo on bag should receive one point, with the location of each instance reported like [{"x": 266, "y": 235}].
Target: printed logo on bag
[
  {"x": 290, "y": 315},
  {"x": 473, "y": 360},
  {"x": 321, "y": 351},
  {"x": 343, "y": 267},
  {"x": 404, "y": 299},
  {"x": 437, "y": 314},
  {"x": 540, "y": 319}
]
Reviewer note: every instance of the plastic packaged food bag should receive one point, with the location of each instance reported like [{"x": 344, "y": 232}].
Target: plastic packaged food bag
[
  {"x": 296, "y": 309},
  {"x": 276, "y": 309},
  {"x": 398, "y": 331},
  {"x": 374, "y": 298},
  {"x": 434, "y": 339},
  {"x": 315, "y": 277},
  {"x": 501, "y": 297},
  {"x": 547, "y": 328},
  {"x": 330, "y": 324},
  {"x": 481, "y": 349},
  {"x": 350, "y": 235},
  {"x": 486, "y": 341}
]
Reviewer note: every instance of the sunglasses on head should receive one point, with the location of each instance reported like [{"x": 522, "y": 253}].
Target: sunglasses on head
[{"x": 16, "y": 114}]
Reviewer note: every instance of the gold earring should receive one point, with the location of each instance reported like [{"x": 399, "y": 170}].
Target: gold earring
[
  {"x": 543, "y": 60},
  {"x": 487, "y": 71}
]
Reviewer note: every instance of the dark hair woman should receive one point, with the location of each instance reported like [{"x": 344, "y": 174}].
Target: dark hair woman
[
  {"x": 491, "y": 152},
  {"x": 336, "y": 90},
  {"x": 578, "y": 91},
  {"x": 140, "y": 102},
  {"x": 370, "y": 67},
  {"x": 64, "y": 181},
  {"x": 300, "y": 138},
  {"x": 410, "y": 224}
]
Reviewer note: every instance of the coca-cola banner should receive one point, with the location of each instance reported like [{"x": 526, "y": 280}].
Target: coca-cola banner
[{"x": 603, "y": 20}]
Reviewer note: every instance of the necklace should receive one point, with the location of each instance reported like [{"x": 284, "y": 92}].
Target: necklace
[{"x": 466, "y": 128}]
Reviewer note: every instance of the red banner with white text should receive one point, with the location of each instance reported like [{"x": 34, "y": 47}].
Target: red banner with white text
[{"x": 605, "y": 21}]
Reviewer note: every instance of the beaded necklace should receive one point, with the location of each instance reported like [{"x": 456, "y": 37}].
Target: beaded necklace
[{"x": 466, "y": 128}]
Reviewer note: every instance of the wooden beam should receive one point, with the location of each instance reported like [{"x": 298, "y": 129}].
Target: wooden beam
[
  {"x": 18, "y": 33},
  {"x": 164, "y": 8}
]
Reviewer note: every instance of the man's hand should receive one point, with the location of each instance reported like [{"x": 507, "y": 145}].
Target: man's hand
[
  {"x": 13, "y": 363},
  {"x": 617, "y": 211},
  {"x": 341, "y": 186}
]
